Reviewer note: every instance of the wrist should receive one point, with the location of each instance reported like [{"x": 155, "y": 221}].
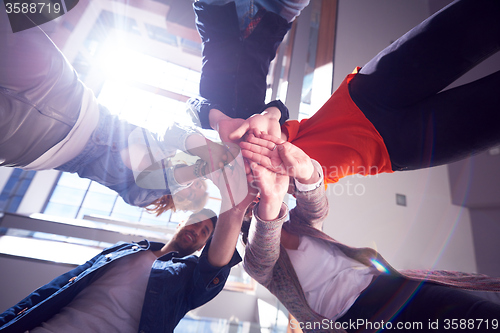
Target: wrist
[
  {"x": 184, "y": 174},
  {"x": 269, "y": 210},
  {"x": 200, "y": 169},
  {"x": 272, "y": 112},
  {"x": 310, "y": 177},
  {"x": 194, "y": 141},
  {"x": 214, "y": 117},
  {"x": 313, "y": 182}
]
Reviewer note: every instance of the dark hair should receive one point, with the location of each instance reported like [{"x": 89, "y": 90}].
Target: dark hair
[{"x": 210, "y": 214}]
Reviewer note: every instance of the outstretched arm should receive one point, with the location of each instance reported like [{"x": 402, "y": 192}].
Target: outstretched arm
[
  {"x": 226, "y": 234},
  {"x": 232, "y": 182},
  {"x": 270, "y": 213},
  {"x": 236, "y": 85},
  {"x": 285, "y": 158},
  {"x": 263, "y": 248}
]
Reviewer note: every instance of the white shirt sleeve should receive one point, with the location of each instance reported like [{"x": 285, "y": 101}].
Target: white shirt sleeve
[{"x": 309, "y": 187}]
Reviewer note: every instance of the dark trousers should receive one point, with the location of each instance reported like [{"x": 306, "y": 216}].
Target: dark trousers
[
  {"x": 401, "y": 90},
  {"x": 412, "y": 306}
]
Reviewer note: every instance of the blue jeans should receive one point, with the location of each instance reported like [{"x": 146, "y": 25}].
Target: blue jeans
[
  {"x": 400, "y": 90},
  {"x": 101, "y": 161},
  {"x": 288, "y": 9},
  {"x": 399, "y": 300}
]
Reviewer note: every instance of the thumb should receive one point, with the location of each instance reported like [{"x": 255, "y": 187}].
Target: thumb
[{"x": 239, "y": 132}]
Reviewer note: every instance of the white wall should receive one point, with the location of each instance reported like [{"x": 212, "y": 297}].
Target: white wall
[
  {"x": 366, "y": 27},
  {"x": 230, "y": 305},
  {"x": 429, "y": 232}
]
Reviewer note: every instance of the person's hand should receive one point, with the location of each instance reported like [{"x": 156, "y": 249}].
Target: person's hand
[
  {"x": 227, "y": 126},
  {"x": 215, "y": 154},
  {"x": 232, "y": 182},
  {"x": 250, "y": 197},
  {"x": 223, "y": 124},
  {"x": 272, "y": 187},
  {"x": 265, "y": 123},
  {"x": 231, "y": 213},
  {"x": 279, "y": 156},
  {"x": 263, "y": 152}
]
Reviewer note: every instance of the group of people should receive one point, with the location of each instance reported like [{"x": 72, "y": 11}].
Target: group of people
[{"x": 389, "y": 115}]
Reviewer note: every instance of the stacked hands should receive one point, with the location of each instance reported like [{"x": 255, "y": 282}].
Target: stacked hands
[
  {"x": 254, "y": 159},
  {"x": 265, "y": 165}
]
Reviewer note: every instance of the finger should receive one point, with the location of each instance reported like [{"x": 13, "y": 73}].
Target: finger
[
  {"x": 255, "y": 132},
  {"x": 239, "y": 132},
  {"x": 217, "y": 151},
  {"x": 261, "y": 142},
  {"x": 232, "y": 152},
  {"x": 263, "y": 157},
  {"x": 257, "y": 170},
  {"x": 249, "y": 178},
  {"x": 255, "y": 148},
  {"x": 274, "y": 139},
  {"x": 257, "y": 158},
  {"x": 264, "y": 161},
  {"x": 275, "y": 131},
  {"x": 248, "y": 171},
  {"x": 288, "y": 159}
]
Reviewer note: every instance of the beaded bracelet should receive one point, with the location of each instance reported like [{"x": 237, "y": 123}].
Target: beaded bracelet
[{"x": 199, "y": 169}]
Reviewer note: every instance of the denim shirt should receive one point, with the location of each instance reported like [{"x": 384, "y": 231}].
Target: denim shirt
[
  {"x": 101, "y": 161},
  {"x": 176, "y": 285},
  {"x": 235, "y": 67}
]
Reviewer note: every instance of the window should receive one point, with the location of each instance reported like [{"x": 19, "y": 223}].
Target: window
[
  {"x": 14, "y": 190},
  {"x": 143, "y": 89},
  {"x": 74, "y": 197}
]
